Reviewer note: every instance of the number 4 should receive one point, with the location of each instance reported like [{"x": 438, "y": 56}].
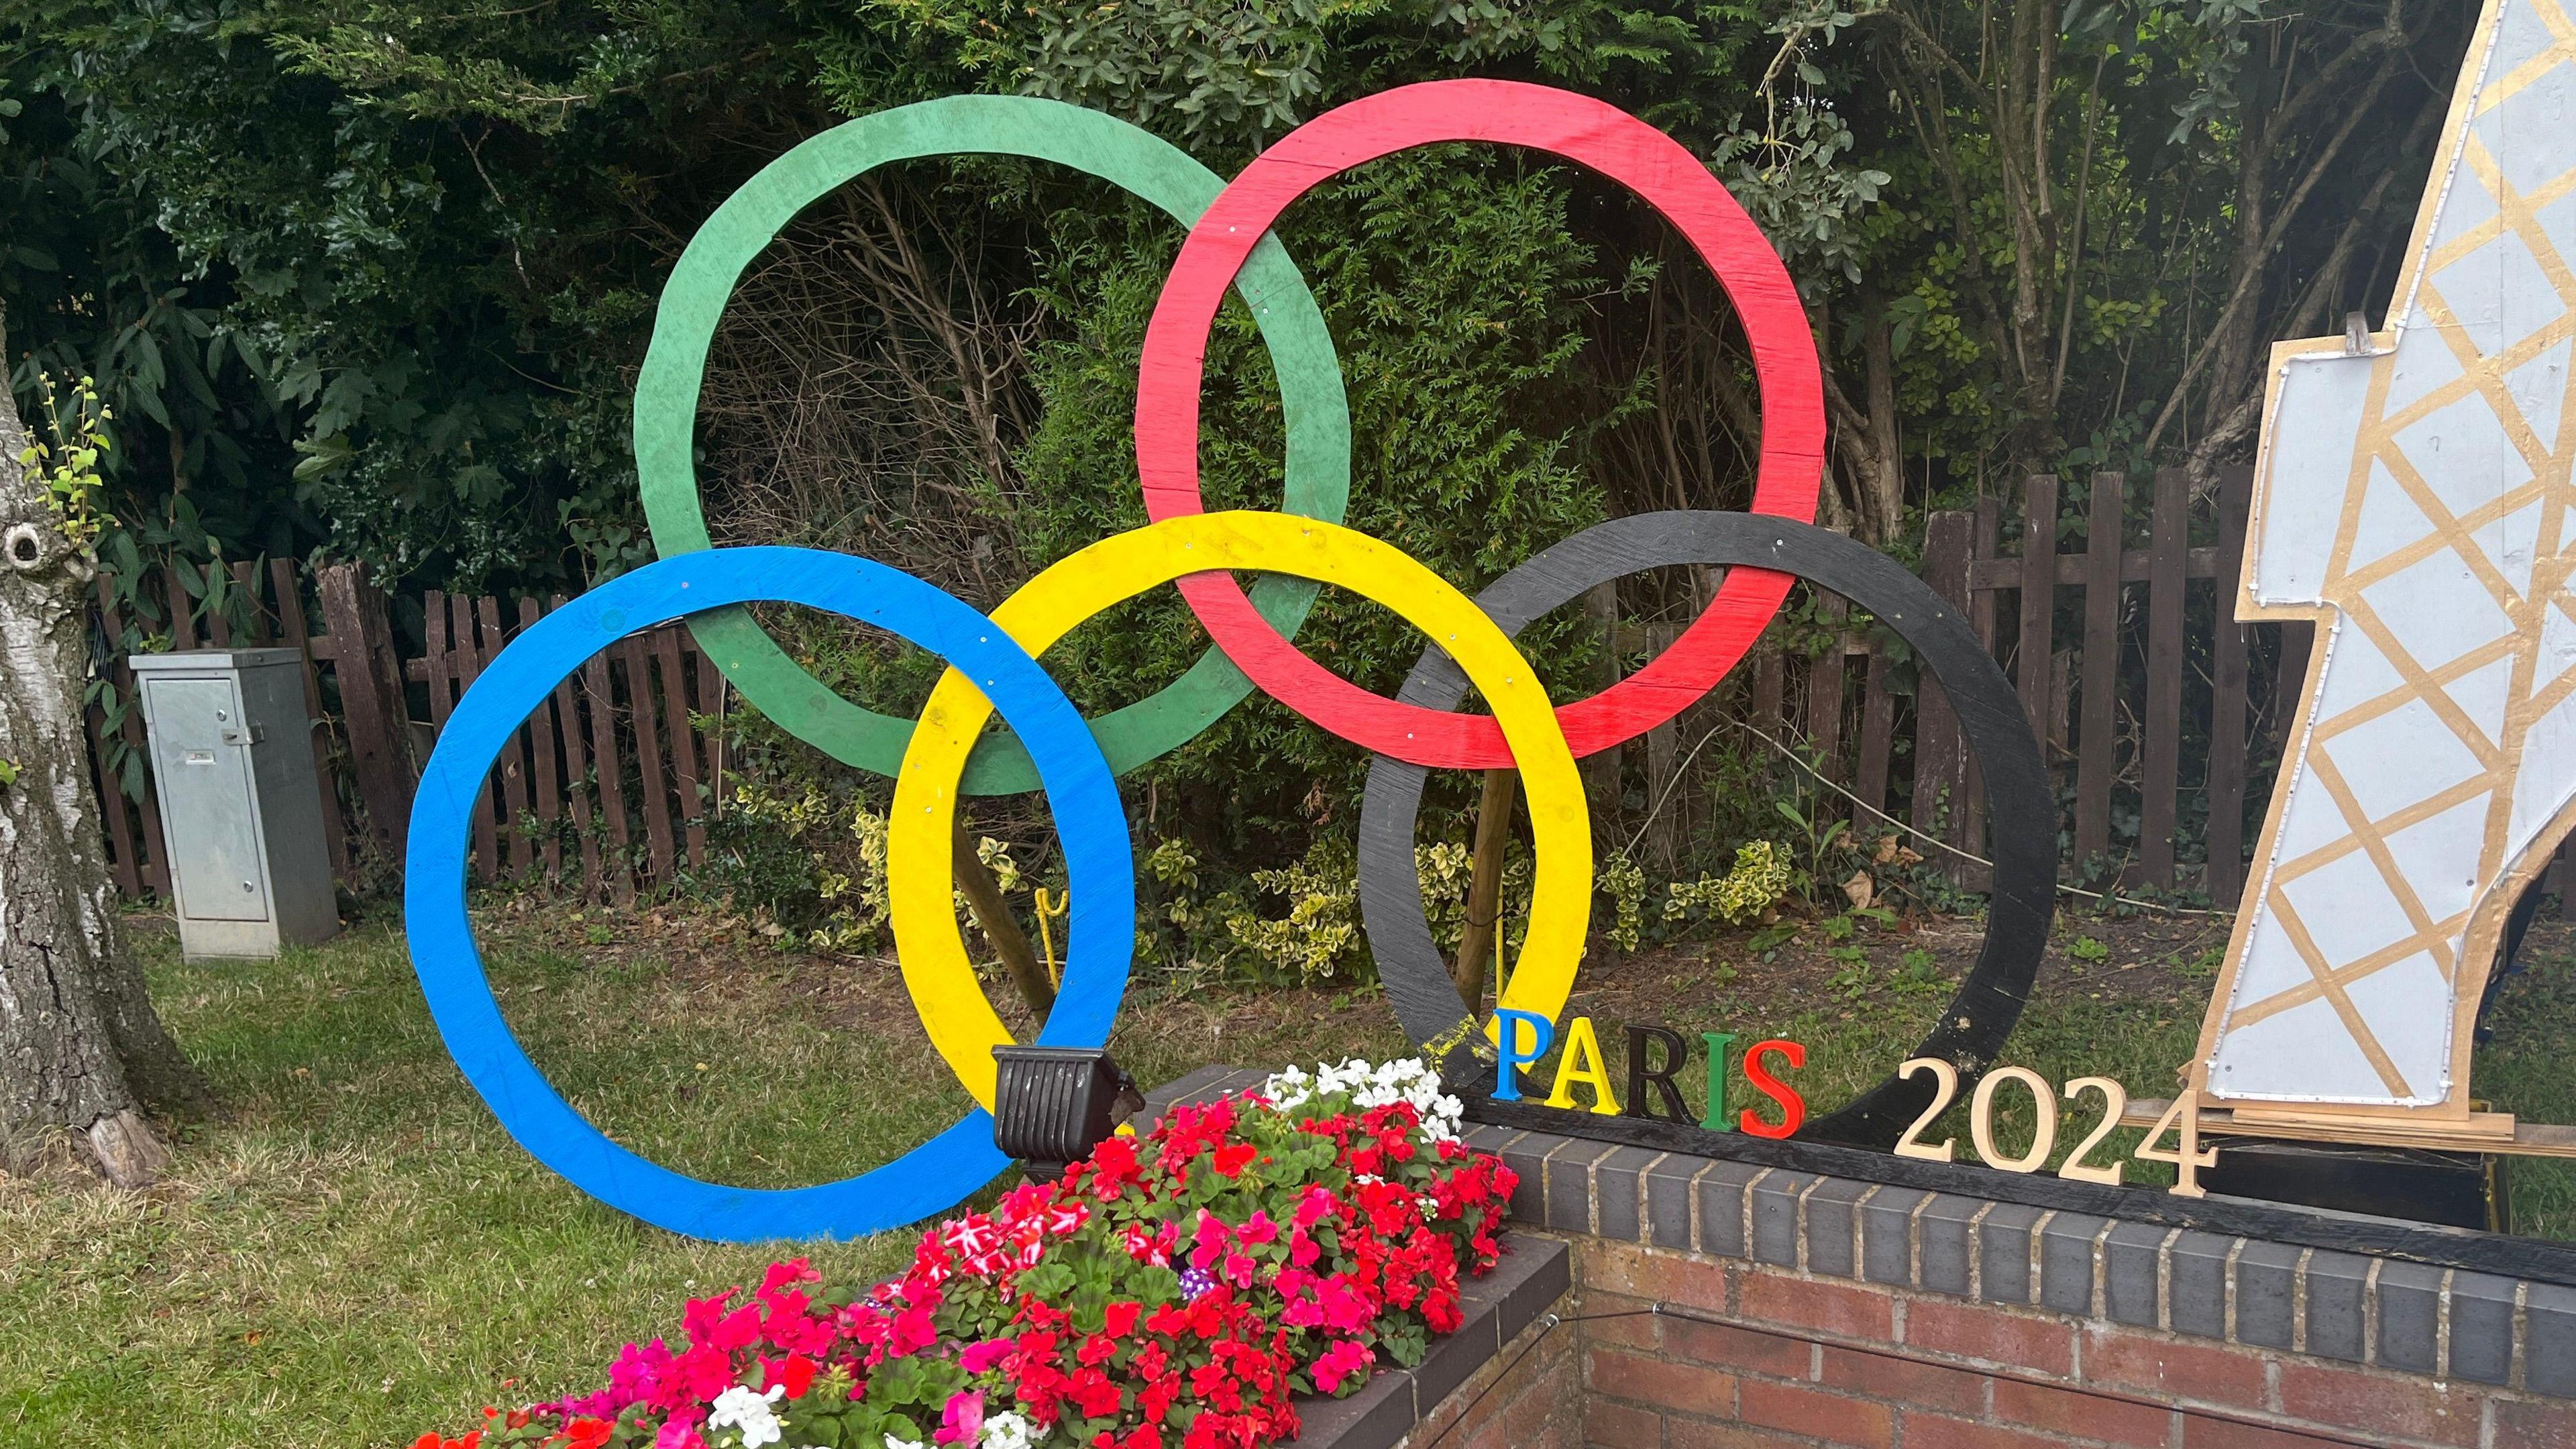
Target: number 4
[{"x": 2188, "y": 1158}]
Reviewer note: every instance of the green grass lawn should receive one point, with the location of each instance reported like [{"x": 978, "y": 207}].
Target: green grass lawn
[{"x": 356, "y": 1252}]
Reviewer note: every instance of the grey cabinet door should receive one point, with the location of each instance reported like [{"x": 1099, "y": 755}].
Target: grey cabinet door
[{"x": 215, "y": 864}]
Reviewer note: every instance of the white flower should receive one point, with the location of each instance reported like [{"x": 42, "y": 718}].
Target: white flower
[
  {"x": 1010, "y": 1431},
  {"x": 740, "y": 1408},
  {"x": 891, "y": 1442}
]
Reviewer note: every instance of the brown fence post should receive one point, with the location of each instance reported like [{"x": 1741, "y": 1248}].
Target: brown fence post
[
  {"x": 1601, "y": 769},
  {"x": 598, "y": 688},
  {"x": 2097, "y": 718},
  {"x": 2224, "y": 877},
  {"x": 577, "y": 786},
  {"x": 148, "y": 841},
  {"x": 1825, "y": 701},
  {"x": 292, "y": 630},
  {"x": 655, "y": 779},
  {"x": 519, "y": 858},
  {"x": 546, "y": 784},
  {"x": 1877, "y": 738},
  {"x": 246, "y": 579},
  {"x": 1662, "y": 754},
  {"x": 2037, "y": 651},
  {"x": 2161, "y": 779},
  {"x": 111, "y": 791},
  {"x": 371, "y": 704},
  {"x": 1939, "y": 773},
  {"x": 684, "y": 743},
  {"x": 183, "y": 621},
  {"x": 1985, "y": 541}
]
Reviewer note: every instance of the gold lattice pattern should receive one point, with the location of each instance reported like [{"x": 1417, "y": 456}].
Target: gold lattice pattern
[{"x": 2448, "y": 628}]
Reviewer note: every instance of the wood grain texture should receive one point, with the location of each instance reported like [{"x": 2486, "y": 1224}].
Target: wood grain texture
[
  {"x": 684, "y": 743},
  {"x": 1877, "y": 738},
  {"x": 128, "y": 865},
  {"x": 294, "y": 630},
  {"x": 1825, "y": 700},
  {"x": 2036, "y": 652},
  {"x": 579, "y": 790},
  {"x": 637, "y": 656},
  {"x": 545, "y": 783},
  {"x": 372, "y": 703},
  {"x": 2225, "y": 874},
  {"x": 1940, "y": 770},
  {"x": 2160, "y": 781},
  {"x": 599, "y": 708},
  {"x": 516, "y": 855},
  {"x": 2097, "y": 718}
]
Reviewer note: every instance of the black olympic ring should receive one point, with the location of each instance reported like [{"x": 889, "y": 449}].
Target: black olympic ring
[{"x": 1972, "y": 1029}]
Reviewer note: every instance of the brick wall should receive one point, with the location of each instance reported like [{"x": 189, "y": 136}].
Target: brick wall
[
  {"x": 1743, "y": 1355},
  {"x": 1530, "y": 1396},
  {"x": 1724, "y": 1304},
  {"x": 1701, "y": 1303}
]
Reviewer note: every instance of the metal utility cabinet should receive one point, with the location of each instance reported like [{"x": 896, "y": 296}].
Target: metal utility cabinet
[{"x": 241, "y": 810}]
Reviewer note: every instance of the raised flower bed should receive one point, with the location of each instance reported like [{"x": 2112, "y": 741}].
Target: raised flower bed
[{"x": 1176, "y": 1290}]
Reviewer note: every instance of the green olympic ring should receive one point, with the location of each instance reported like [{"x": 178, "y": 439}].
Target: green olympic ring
[{"x": 1315, "y": 410}]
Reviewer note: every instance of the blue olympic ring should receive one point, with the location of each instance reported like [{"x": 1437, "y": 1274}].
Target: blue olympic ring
[{"x": 1099, "y": 862}]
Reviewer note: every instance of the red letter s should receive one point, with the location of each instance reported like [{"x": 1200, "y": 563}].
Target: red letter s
[{"x": 1793, "y": 1108}]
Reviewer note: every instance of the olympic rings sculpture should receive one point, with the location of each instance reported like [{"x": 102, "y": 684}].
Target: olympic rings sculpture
[{"x": 993, "y": 660}]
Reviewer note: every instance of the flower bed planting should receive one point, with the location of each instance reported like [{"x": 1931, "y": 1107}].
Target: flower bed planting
[{"x": 1173, "y": 1291}]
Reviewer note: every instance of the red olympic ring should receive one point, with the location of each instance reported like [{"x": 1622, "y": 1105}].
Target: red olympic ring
[{"x": 1626, "y": 150}]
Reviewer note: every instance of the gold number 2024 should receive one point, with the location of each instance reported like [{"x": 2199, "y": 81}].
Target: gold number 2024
[{"x": 2182, "y": 1118}]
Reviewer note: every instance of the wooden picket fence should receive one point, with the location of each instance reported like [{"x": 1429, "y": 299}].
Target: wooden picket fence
[
  {"x": 604, "y": 790},
  {"x": 2122, "y": 647}
]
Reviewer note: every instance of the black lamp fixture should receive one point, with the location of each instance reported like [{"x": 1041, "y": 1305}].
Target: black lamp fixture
[{"x": 1052, "y": 1105}]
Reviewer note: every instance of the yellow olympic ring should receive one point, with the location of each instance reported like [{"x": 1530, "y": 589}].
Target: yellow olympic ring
[{"x": 919, "y": 861}]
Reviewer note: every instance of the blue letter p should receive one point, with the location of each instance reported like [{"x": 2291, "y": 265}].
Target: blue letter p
[{"x": 1506, "y": 1088}]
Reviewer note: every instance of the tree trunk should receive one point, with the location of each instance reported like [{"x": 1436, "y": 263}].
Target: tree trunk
[{"x": 80, "y": 1046}]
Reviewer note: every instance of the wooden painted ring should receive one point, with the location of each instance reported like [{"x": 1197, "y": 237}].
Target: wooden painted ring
[
  {"x": 1312, "y": 405},
  {"x": 1626, "y": 150},
  {"x": 2024, "y": 831},
  {"x": 928, "y": 1179},
  {"x": 920, "y": 854}
]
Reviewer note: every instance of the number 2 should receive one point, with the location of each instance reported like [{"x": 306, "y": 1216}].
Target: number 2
[{"x": 1945, "y": 1087}]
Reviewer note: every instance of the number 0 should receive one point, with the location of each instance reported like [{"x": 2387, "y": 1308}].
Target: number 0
[{"x": 1981, "y": 1119}]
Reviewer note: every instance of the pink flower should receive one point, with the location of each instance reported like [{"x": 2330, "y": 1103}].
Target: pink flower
[
  {"x": 1259, "y": 1229},
  {"x": 794, "y": 1270},
  {"x": 963, "y": 1423},
  {"x": 795, "y": 1375},
  {"x": 1339, "y": 1362},
  {"x": 978, "y": 1357},
  {"x": 1209, "y": 1241},
  {"x": 913, "y": 1332},
  {"x": 638, "y": 1374},
  {"x": 698, "y": 1376}
]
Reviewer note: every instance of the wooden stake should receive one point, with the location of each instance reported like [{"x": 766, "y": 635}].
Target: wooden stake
[
  {"x": 1485, "y": 886},
  {"x": 984, "y": 897}
]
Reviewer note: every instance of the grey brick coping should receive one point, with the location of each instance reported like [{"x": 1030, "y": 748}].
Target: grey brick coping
[{"x": 2359, "y": 1307}]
